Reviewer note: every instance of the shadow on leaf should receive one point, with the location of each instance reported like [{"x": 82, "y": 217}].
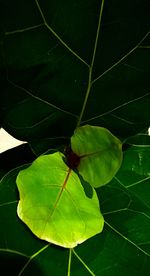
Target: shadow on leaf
[
  {"x": 86, "y": 186},
  {"x": 14, "y": 264}
]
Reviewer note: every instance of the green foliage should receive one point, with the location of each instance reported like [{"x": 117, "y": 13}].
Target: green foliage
[
  {"x": 100, "y": 154},
  {"x": 54, "y": 205},
  {"x": 69, "y": 63}
]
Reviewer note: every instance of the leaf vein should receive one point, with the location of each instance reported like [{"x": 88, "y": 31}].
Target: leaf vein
[
  {"x": 32, "y": 257},
  {"x": 118, "y": 107},
  {"x": 124, "y": 57},
  {"x": 24, "y": 30},
  {"x": 57, "y": 36},
  {"x": 138, "y": 182},
  {"x": 84, "y": 264},
  {"x": 126, "y": 209},
  {"x": 14, "y": 252},
  {"x": 8, "y": 203},
  {"x": 91, "y": 66},
  {"x": 125, "y": 238},
  {"x": 136, "y": 194},
  {"x": 40, "y": 99}
]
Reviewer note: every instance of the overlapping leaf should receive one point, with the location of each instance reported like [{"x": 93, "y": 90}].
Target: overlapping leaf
[
  {"x": 53, "y": 202},
  {"x": 100, "y": 154},
  {"x": 48, "y": 57},
  {"x": 123, "y": 246},
  {"x": 54, "y": 205},
  {"x": 46, "y": 53}
]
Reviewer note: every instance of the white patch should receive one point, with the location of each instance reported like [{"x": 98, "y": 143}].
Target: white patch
[{"x": 7, "y": 141}]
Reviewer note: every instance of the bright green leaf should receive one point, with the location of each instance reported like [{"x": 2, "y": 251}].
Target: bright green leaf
[
  {"x": 53, "y": 199},
  {"x": 100, "y": 154},
  {"x": 54, "y": 205}
]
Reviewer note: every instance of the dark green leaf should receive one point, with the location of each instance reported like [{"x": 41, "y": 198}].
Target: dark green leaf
[
  {"x": 48, "y": 52},
  {"x": 15, "y": 157},
  {"x": 48, "y": 71}
]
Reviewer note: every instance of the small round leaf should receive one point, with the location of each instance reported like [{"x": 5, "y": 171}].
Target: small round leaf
[{"x": 100, "y": 154}]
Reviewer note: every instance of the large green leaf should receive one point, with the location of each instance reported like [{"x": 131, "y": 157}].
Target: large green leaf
[
  {"x": 54, "y": 205},
  {"x": 56, "y": 59},
  {"x": 56, "y": 53}
]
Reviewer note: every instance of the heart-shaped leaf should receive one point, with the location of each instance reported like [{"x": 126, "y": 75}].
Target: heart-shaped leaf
[
  {"x": 54, "y": 205},
  {"x": 100, "y": 154}
]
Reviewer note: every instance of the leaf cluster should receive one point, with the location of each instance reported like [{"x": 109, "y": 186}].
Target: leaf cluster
[{"x": 65, "y": 64}]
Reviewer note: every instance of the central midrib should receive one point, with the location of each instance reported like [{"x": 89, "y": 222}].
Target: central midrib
[{"x": 61, "y": 191}]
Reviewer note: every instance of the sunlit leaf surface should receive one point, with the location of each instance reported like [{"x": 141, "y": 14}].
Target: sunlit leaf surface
[{"x": 54, "y": 205}]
